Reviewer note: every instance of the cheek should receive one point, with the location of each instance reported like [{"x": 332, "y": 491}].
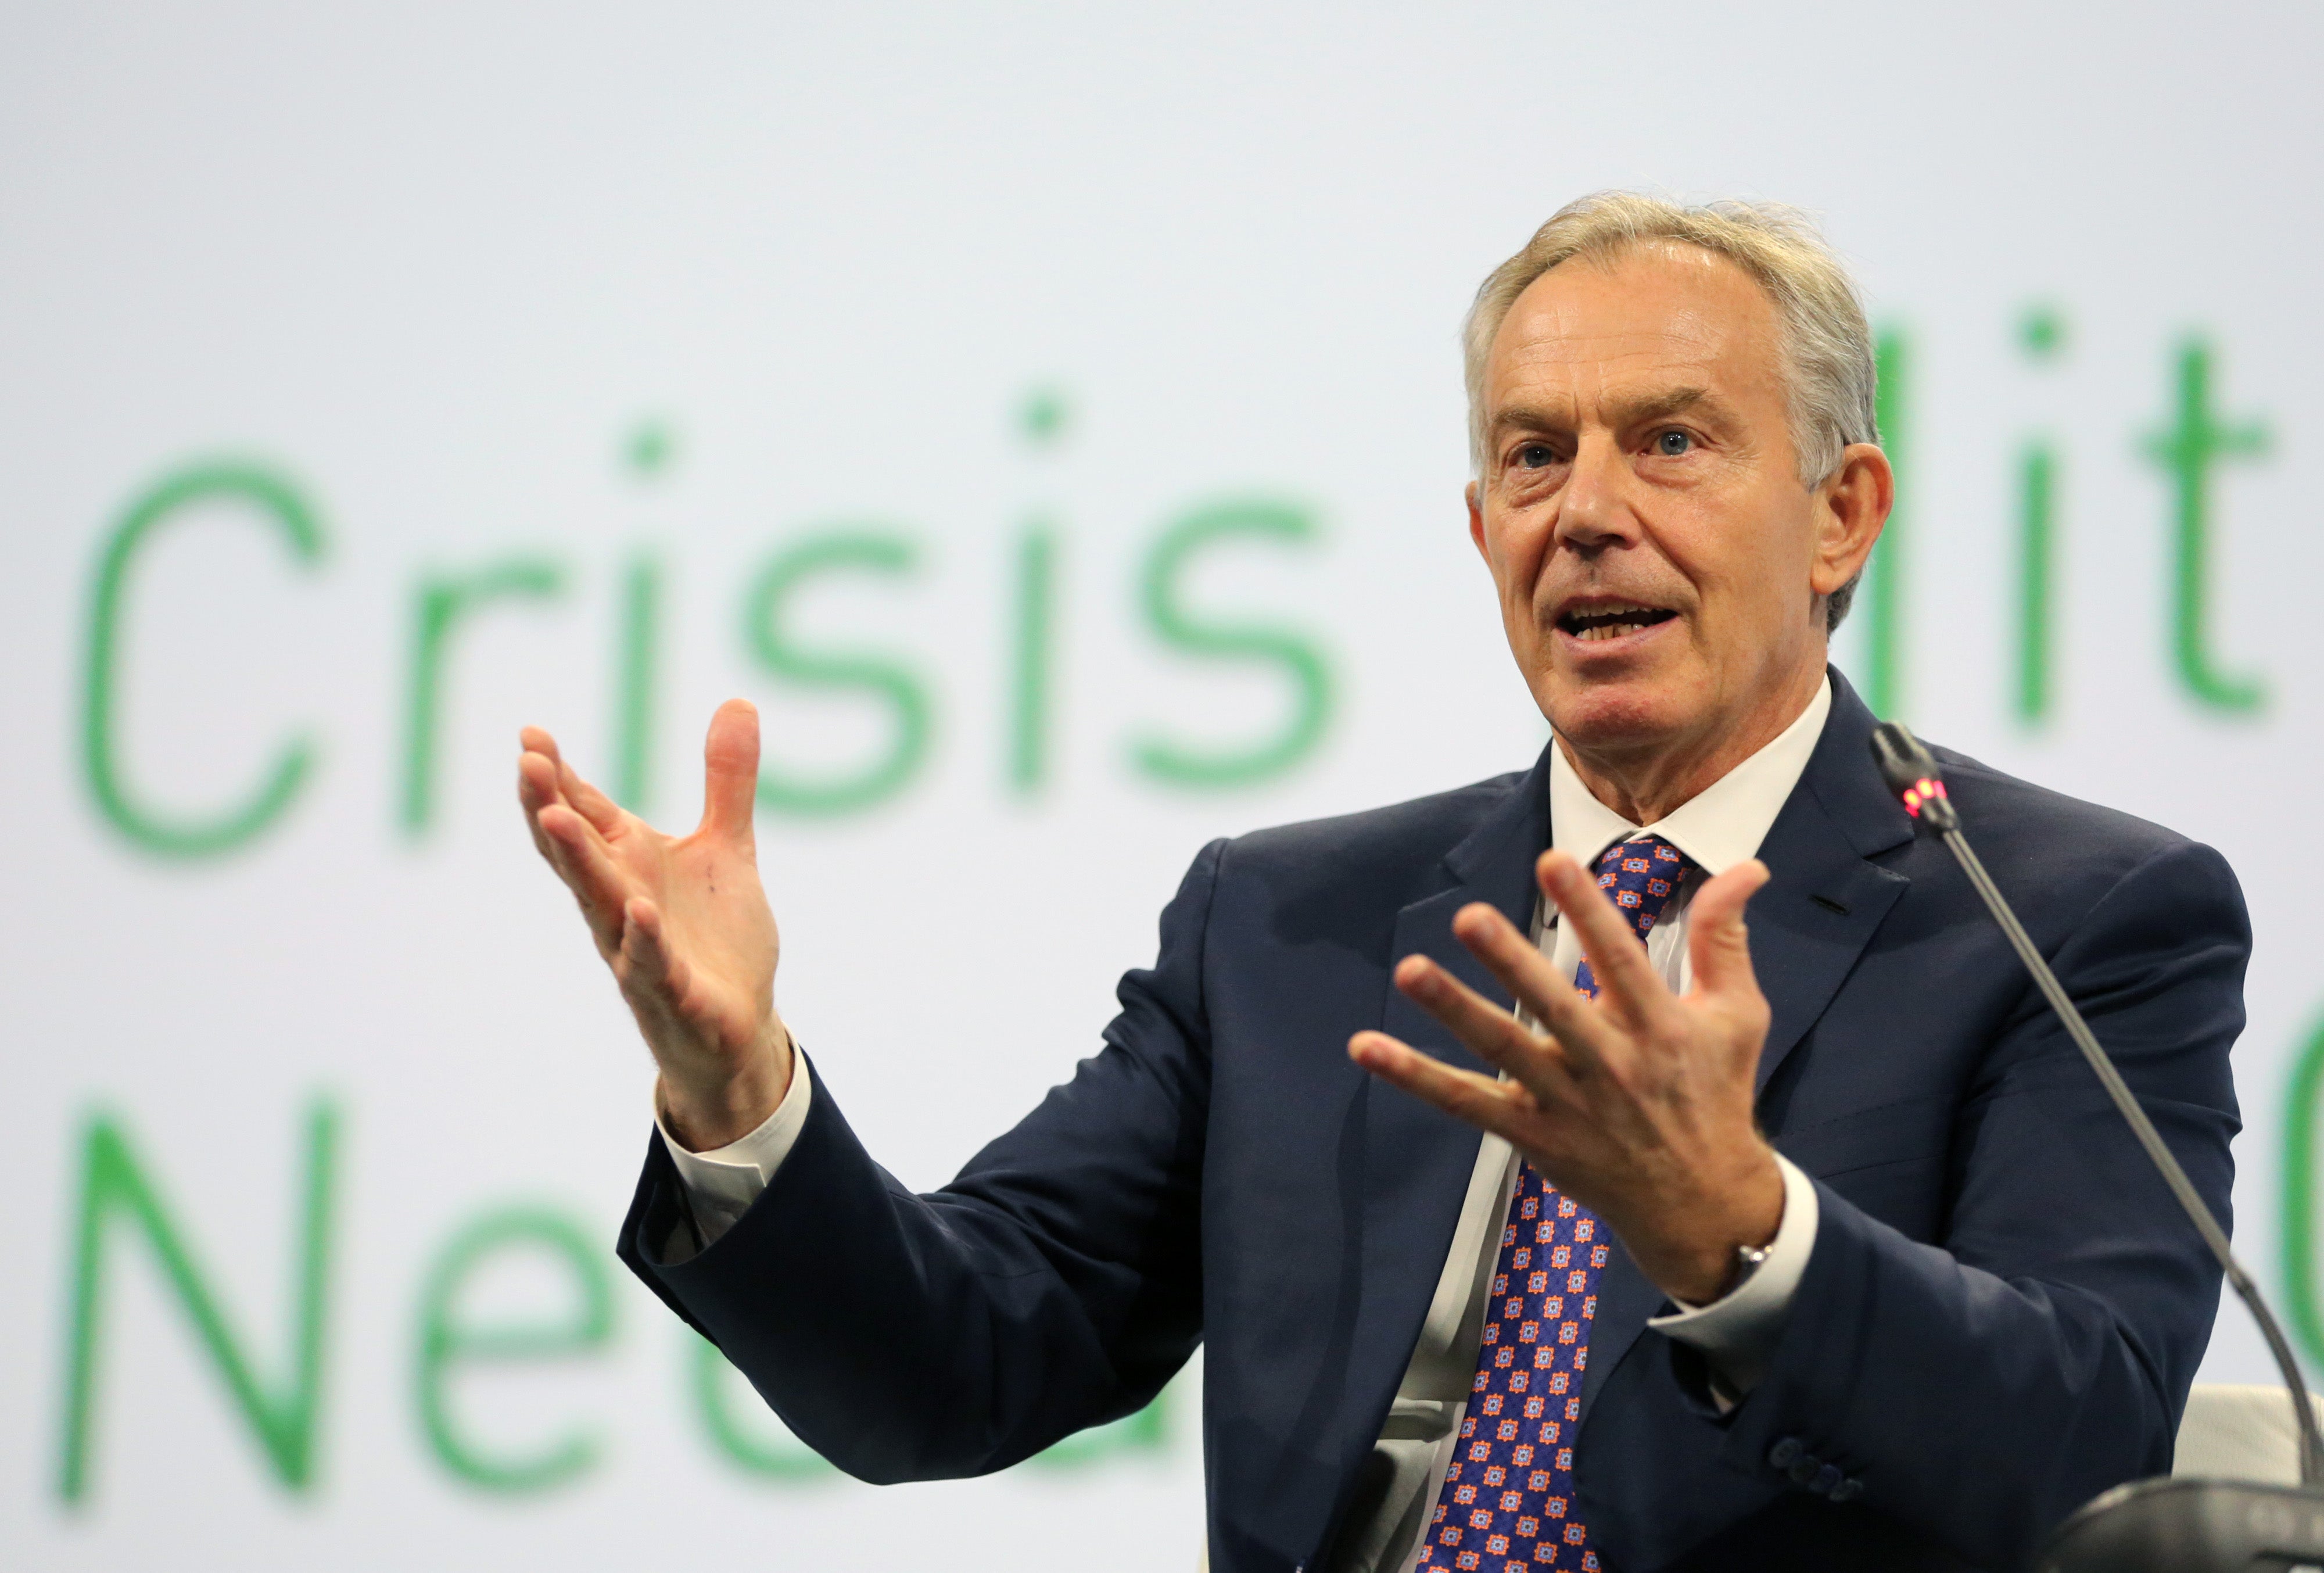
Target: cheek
[
  {"x": 1752, "y": 575},
  {"x": 1516, "y": 543}
]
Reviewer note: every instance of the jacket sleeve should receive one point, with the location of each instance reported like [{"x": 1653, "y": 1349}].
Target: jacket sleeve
[
  {"x": 1055, "y": 1284},
  {"x": 1978, "y": 1389}
]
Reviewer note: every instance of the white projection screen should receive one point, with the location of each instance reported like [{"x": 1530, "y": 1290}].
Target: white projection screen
[{"x": 1051, "y": 417}]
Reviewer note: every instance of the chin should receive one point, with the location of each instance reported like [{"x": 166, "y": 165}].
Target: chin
[{"x": 1614, "y": 715}]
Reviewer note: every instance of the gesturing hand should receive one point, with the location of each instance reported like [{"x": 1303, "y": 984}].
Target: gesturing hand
[
  {"x": 683, "y": 922},
  {"x": 1638, "y": 1104}
]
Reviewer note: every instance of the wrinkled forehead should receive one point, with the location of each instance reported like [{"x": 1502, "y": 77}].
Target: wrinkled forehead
[{"x": 1652, "y": 316}]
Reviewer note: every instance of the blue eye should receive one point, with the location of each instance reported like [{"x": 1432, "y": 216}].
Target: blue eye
[
  {"x": 1671, "y": 443},
  {"x": 1536, "y": 456}
]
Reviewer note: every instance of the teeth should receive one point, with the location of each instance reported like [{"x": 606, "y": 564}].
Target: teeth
[{"x": 1625, "y": 618}]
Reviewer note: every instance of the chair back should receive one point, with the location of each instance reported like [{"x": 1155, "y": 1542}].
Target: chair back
[{"x": 2234, "y": 1432}]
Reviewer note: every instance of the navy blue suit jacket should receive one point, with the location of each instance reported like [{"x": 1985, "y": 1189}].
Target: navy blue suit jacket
[{"x": 2001, "y": 1315}]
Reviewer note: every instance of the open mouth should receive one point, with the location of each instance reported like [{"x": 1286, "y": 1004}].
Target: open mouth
[{"x": 1595, "y": 625}]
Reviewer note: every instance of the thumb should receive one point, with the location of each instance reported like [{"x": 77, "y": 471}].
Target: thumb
[
  {"x": 730, "y": 770},
  {"x": 1718, "y": 945}
]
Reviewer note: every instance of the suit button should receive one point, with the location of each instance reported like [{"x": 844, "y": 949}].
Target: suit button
[
  {"x": 1848, "y": 1490},
  {"x": 1827, "y": 1480},
  {"x": 1804, "y": 1469},
  {"x": 1782, "y": 1454}
]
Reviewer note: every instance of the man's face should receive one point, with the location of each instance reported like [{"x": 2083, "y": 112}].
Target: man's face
[{"x": 1657, "y": 560}]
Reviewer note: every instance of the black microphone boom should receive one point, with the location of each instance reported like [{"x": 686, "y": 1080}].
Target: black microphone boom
[{"x": 2194, "y": 1526}]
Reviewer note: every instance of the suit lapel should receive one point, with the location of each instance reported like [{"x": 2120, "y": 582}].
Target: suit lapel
[
  {"x": 1820, "y": 909},
  {"x": 1809, "y": 924},
  {"x": 1415, "y": 1162},
  {"x": 1493, "y": 864}
]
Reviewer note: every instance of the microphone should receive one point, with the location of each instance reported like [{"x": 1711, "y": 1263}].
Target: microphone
[{"x": 2163, "y": 1525}]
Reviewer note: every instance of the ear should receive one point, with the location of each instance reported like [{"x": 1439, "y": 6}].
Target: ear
[
  {"x": 1850, "y": 507},
  {"x": 1477, "y": 521}
]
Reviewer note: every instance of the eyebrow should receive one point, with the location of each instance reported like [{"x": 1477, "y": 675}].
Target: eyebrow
[
  {"x": 1625, "y": 413},
  {"x": 1660, "y": 406}
]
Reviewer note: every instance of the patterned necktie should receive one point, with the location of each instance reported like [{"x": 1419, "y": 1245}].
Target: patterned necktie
[{"x": 1507, "y": 1499}]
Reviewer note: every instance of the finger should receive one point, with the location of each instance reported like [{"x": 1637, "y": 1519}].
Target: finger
[
  {"x": 1499, "y": 1106},
  {"x": 580, "y": 857},
  {"x": 1717, "y": 942},
  {"x": 601, "y": 812},
  {"x": 730, "y": 770},
  {"x": 537, "y": 740},
  {"x": 536, "y": 789},
  {"x": 1627, "y": 980},
  {"x": 1560, "y": 1010},
  {"x": 646, "y": 949},
  {"x": 1498, "y": 1038}
]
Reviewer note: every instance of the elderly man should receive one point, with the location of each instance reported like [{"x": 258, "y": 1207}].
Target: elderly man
[{"x": 1532, "y": 1213}]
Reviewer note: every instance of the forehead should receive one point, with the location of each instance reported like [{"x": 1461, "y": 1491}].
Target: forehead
[{"x": 1656, "y": 314}]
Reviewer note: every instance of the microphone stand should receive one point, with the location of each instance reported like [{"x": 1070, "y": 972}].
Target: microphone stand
[{"x": 2188, "y": 1526}]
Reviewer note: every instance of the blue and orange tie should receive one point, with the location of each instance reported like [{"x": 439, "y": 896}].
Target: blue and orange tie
[{"x": 1507, "y": 1505}]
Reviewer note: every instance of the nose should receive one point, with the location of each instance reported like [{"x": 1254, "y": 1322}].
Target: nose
[{"x": 1592, "y": 509}]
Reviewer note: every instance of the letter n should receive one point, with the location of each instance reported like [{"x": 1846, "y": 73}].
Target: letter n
[{"x": 117, "y": 1189}]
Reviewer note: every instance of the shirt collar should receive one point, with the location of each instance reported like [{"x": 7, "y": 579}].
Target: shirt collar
[{"x": 1719, "y": 825}]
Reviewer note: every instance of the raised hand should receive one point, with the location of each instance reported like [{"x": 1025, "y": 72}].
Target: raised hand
[
  {"x": 1638, "y": 1104},
  {"x": 683, "y": 924}
]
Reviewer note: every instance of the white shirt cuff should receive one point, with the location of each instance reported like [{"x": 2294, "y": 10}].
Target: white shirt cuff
[
  {"x": 1737, "y": 1333},
  {"x": 724, "y": 1181}
]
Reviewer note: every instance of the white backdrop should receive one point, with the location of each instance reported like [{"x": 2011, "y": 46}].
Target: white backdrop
[{"x": 428, "y": 373}]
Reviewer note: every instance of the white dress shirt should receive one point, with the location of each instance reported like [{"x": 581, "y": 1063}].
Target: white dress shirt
[{"x": 1720, "y": 828}]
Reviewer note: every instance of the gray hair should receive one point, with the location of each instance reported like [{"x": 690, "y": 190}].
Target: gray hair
[{"x": 1830, "y": 372}]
